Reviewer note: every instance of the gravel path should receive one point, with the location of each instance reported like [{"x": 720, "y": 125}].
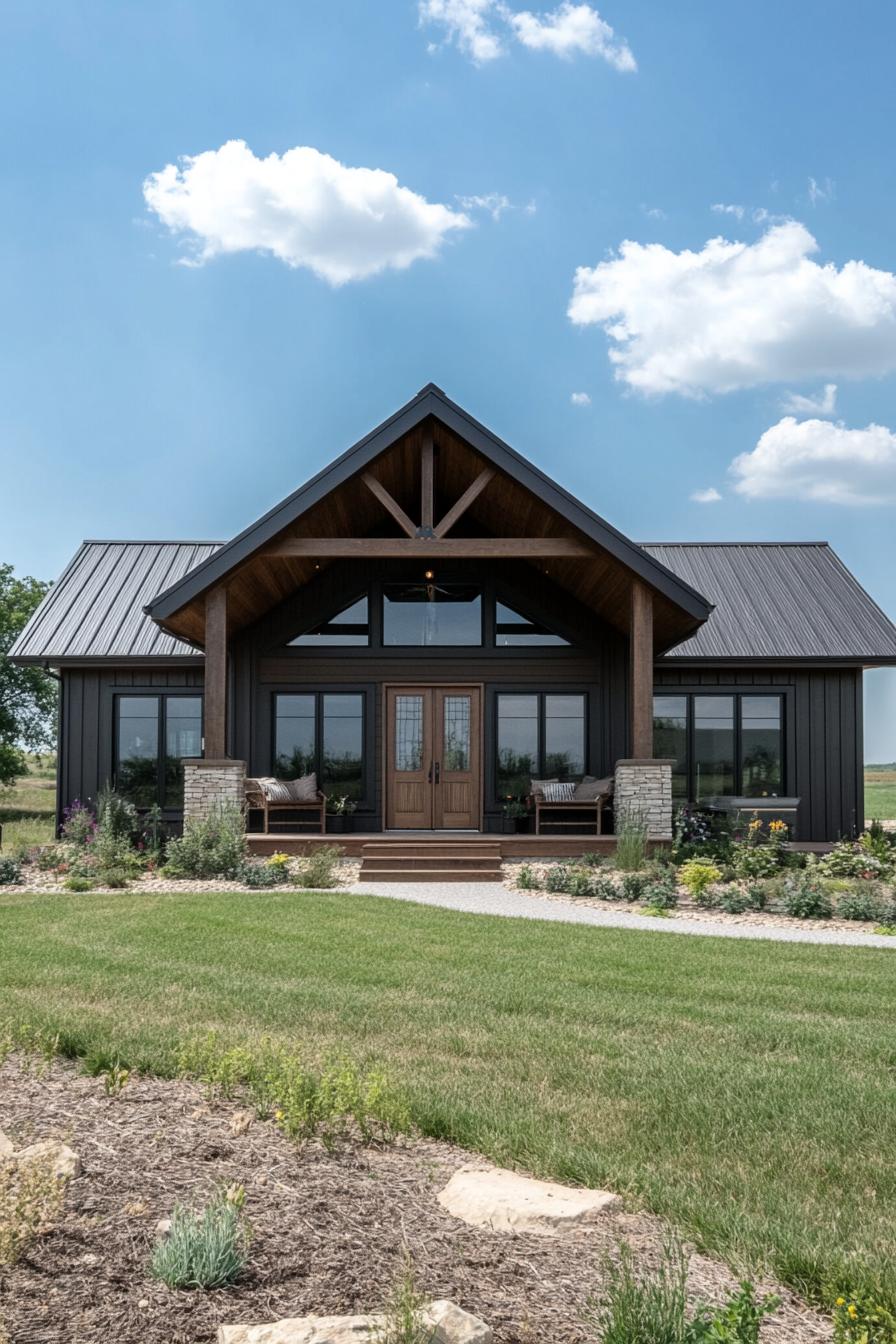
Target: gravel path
[{"x": 491, "y": 898}]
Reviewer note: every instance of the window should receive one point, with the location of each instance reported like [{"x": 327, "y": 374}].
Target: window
[
  {"x": 513, "y": 629},
  {"x": 730, "y": 744},
  {"x": 153, "y": 734},
  {"x": 538, "y": 736},
  {"x": 426, "y": 614},
  {"x": 322, "y": 733},
  {"x": 351, "y": 626}
]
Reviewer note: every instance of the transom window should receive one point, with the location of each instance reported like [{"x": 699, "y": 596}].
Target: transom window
[
  {"x": 153, "y": 735},
  {"x": 427, "y": 614},
  {"x": 512, "y": 629},
  {"x": 351, "y": 626},
  {"x": 721, "y": 744},
  {"x": 321, "y": 733},
  {"x": 540, "y": 736}
]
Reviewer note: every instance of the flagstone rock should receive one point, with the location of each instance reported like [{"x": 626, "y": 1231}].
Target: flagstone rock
[
  {"x": 66, "y": 1163},
  {"x": 6, "y": 1148},
  {"x": 450, "y": 1325},
  {"x": 507, "y": 1202}
]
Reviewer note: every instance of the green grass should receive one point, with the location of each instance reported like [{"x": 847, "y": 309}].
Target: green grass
[
  {"x": 27, "y": 809},
  {"x": 746, "y": 1090},
  {"x": 880, "y": 792}
]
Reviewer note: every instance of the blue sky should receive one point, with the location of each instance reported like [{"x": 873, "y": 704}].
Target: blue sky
[{"x": 144, "y": 397}]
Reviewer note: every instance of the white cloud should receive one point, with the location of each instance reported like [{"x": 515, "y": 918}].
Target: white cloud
[
  {"x": 820, "y": 191},
  {"x": 817, "y": 460},
  {"x": 465, "y": 23},
  {"x": 569, "y": 29},
  {"x": 303, "y": 206},
  {"x": 710, "y": 496},
  {"x": 580, "y": 399},
  {"x": 653, "y": 212},
  {"x": 494, "y": 203},
  {"x": 824, "y": 404},
  {"x": 736, "y": 210},
  {"x": 737, "y": 315}
]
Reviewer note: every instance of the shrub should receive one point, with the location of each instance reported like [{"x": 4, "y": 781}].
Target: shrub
[
  {"x": 634, "y": 885},
  {"x": 852, "y": 859},
  {"x": 806, "y": 898},
  {"x": 698, "y": 875},
  {"x": 10, "y": 872},
  {"x": 204, "y": 1249},
  {"x": 866, "y": 905},
  {"x": 404, "y": 1321},
  {"x": 581, "y": 882},
  {"x": 756, "y": 860},
  {"x": 31, "y": 1197},
  {"x": 558, "y": 878},
  {"x": 259, "y": 875},
  {"x": 861, "y": 1321},
  {"x": 116, "y": 816},
  {"x": 212, "y": 846},
  {"x": 111, "y": 852},
  {"x": 631, "y": 842},
  {"x": 738, "y": 1322},
  {"x": 526, "y": 879},
  {"x": 757, "y": 895},
  {"x": 77, "y": 883},
  {"x": 116, "y": 878},
  {"x": 591, "y": 860},
  {"x": 734, "y": 901},
  {"x": 319, "y": 870},
  {"x": 78, "y": 824},
  {"x": 661, "y": 893},
  {"x": 605, "y": 889}
]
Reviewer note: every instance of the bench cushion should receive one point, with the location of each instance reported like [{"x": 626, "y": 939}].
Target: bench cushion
[{"x": 592, "y": 788}]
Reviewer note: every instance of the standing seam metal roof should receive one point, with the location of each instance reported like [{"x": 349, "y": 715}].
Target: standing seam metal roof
[{"x": 780, "y": 601}]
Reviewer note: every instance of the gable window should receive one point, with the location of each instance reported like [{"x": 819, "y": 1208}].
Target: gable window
[
  {"x": 512, "y": 629},
  {"x": 540, "y": 736},
  {"x": 351, "y": 626},
  {"x": 321, "y": 733},
  {"x": 153, "y": 735},
  {"x": 722, "y": 745},
  {"x": 429, "y": 614}
]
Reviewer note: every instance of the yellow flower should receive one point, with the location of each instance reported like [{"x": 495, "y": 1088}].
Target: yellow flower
[
  {"x": 841, "y": 1301},
  {"x": 851, "y": 1311}
]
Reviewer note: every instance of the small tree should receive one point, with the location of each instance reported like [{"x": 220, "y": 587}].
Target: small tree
[{"x": 27, "y": 694}]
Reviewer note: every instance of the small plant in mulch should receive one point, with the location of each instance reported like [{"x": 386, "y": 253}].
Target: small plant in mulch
[
  {"x": 527, "y": 880},
  {"x": 319, "y": 871},
  {"x": 31, "y": 1198},
  {"x": 631, "y": 842},
  {"x": 805, "y": 897},
  {"x": 698, "y": 876},
  {"x": 859, "y": 1320},
  {"x": 634, "y": 885},
  {"x": 652, "y": 1306},
  {"x": 10, "y": 872},
  {"x": 403, "y": 1315},
  {"x": 661, "y": 893},
  {"x": 205, "y": 1248}
]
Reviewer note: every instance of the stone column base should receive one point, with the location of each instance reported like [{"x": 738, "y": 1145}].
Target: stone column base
[
  {"x": 644, "y": 791},
  {"x": 210, "y": 783}
]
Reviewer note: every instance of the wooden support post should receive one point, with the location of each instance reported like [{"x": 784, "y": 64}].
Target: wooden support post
[
  {"x": 216, "y": 674},
  {"x": 641, "y": 671},
  {"x": 426, "y": 486}
]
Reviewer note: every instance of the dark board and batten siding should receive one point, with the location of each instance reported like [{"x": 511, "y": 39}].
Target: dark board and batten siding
[{"x": 823, "y": 727}]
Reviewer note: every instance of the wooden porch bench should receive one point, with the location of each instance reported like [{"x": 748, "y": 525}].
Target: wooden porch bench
[
  {"x": 314, "y": 810},
  {"x": 586, "y": 810}
]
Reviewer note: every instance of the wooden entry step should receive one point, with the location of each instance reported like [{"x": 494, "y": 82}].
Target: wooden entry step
[{"x": 435, "y": 860}]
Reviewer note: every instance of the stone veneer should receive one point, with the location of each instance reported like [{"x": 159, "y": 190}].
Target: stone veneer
[
  {"x": 644, "y": 789},
  {"x": 209, "y": 782}
]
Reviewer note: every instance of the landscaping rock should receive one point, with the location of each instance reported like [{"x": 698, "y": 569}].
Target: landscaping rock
[
  {"x": 449, "y": 1323},
  {"x": 506, "y": 1202},
  {"x": 6, "y": 1148},
  {"x": 66, "y": 1164}
]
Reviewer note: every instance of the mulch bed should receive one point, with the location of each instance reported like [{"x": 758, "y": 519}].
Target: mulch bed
[{"x": 329, "y": 1228}]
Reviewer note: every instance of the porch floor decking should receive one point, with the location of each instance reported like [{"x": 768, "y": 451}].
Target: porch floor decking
[{"x": 510, "y": 846}]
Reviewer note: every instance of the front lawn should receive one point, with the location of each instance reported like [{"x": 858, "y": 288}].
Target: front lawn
[{"x": 745, "y": 1090}]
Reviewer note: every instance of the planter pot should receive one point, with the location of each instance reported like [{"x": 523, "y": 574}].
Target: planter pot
[
  {"x": 336, "y": 825},
  {"x": 522, "y": 825},
  {"x": 507, "y": 825}
]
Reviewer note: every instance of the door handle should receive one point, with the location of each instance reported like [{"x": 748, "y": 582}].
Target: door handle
[{"x": 438, "y": 770}]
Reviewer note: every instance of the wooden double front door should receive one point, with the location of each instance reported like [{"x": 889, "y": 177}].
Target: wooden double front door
[{"x": 433, "y": 757}]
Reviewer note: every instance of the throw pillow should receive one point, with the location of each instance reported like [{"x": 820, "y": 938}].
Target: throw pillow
[
  {"x": 592, "y": 788},
  {"x": 274, "y": 790},
  {"x": 539, "y": 785},
  {"x": 559, "y": 793},
  {"x": 303, "y": 790}
]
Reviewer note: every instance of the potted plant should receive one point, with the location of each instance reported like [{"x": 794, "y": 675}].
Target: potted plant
[
  {"x": 516, "y": 817},
  {"x": 339, "y": 813}
]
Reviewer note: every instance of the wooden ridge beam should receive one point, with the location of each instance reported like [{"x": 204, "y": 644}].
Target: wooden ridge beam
[
  {"x": 391, "y": 505},
  {"x": 461, "y": 505},
  {"x": 433, "y": 548}
]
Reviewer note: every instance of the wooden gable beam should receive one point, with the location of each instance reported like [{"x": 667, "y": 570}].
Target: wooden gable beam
[
  {"x": 427, "y": 473},
  {"x": 432, "y": 548},
  {"x": 461, "y": 505},
  {"x": 391, "y": 505}
]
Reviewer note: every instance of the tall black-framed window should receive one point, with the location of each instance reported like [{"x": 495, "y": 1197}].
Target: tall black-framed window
[
  {"x": 722, "y": 743},
  {"x": 323, "y": 732},
  {"x": 539, "y": 735},
  {"x": 154, "y": 732}
]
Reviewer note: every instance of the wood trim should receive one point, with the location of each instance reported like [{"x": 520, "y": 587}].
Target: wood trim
[
  {"x": 215, "y": 744},
  {"x": 389, "y": 504},
  {"x": 424, "y": 548},
  {"x": 427, "y": 471},
  {"x": 461, "y": 505},
  {"x": 641, "y": 671}
]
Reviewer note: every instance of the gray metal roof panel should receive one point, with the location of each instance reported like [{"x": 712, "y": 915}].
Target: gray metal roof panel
[
  {"x": 95, "y": 610},
  {"x": 778, "y": 600}
]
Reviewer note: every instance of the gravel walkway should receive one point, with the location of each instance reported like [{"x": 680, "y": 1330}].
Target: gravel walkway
[{"x": 491, "y": 898}]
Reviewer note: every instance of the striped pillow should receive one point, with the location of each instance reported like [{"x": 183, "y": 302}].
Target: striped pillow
[
  {"x": 303, "y": 790},
  {"x": 274, "y": 790},
  {"x": 559, "y": 793}
]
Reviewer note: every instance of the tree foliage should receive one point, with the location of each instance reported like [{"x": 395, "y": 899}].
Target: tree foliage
[{"x": 27, "y": 695}]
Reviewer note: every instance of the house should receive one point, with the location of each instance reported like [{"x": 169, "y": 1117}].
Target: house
[{"x": 430, "y": 623}]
